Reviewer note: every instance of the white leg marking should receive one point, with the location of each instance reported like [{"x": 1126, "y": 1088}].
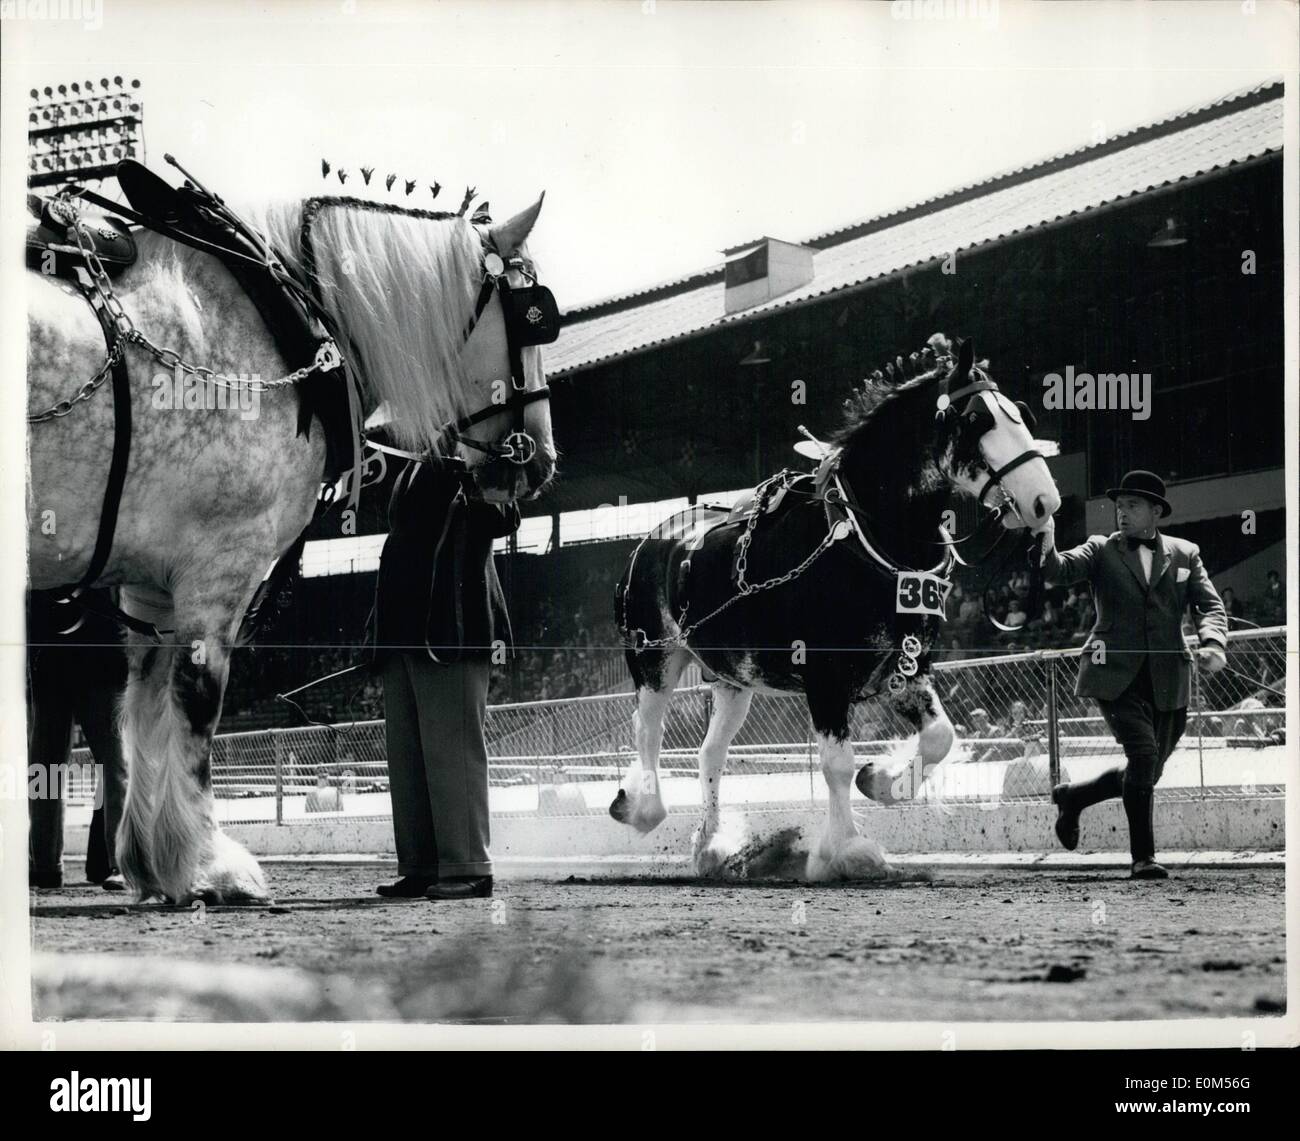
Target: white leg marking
[
  {"x": 712, "y": 848},
  {"x": 841, "y": 853},
  {"x": 644, "y": 805}
]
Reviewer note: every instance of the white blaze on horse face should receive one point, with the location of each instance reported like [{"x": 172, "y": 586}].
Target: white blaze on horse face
[{"x": 1030, "y": 485}]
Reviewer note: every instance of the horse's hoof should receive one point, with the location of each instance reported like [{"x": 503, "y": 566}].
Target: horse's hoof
[
  {"x": 876, "y": 784},
  {"x": 620, "y": 809},
  {"x": 852, "y": 858},
  {"x": 896, "y": 784},
  {"x": 648, "y": 816},
  {"x": 709, "y": 862}
]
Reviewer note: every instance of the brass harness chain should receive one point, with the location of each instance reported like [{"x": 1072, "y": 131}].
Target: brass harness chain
[{"x": 327, "y": 355}]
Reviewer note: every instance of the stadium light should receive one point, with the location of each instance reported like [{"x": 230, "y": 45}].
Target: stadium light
[{"x": 70, "y": 133}]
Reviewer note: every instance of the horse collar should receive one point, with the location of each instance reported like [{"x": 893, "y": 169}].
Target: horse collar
[{"x": 839, "y": 496}]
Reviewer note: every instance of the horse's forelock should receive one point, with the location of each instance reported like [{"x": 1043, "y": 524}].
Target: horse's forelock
[{"x": 401, "y": 285}]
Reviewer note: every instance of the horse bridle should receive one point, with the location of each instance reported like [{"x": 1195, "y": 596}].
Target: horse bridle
[
  {"x": 531, "y": 318},
  {"x": 978, "y": 417}
]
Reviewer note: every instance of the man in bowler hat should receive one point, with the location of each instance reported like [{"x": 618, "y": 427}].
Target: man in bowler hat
[{"x": 1135, "y": 662}]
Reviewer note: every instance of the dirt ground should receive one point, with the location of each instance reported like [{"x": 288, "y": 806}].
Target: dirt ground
[{"x": 968, "y": 945}]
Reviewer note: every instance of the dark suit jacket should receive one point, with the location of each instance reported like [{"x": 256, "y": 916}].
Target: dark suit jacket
[
  {"x": 1137, "y": 622},
  {"x": 438, "y": 587}
]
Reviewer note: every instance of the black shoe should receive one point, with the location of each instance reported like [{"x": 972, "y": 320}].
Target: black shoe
[
  {"x": 1148, "y": 870},
  {"x": 1067, "y": 820},
  {"x": 461, "y": 887},
  {"x": 114, "y": 881},
  {"x": 408, "y": 887},
  {"x": 45, "y": 881}
]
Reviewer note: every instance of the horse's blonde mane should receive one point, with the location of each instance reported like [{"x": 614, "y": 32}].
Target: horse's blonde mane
[{"x": 401, "y": 287}]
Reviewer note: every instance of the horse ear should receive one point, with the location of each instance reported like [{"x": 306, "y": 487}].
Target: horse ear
[
  {"x": 509, "y": 236},
  {"x": 965, "y": 358}
]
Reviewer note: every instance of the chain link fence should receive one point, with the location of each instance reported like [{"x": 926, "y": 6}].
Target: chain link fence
[{"x": 1020, "y": 728}]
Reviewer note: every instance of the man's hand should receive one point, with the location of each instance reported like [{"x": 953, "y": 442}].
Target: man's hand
[{"x": 1211, "y": 658}]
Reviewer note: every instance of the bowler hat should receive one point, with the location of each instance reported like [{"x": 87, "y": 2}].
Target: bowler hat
[{"x": 1144, "y": 483}]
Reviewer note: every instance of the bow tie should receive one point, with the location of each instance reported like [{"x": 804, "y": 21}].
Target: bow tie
[{"x": 1135, "y": 542}]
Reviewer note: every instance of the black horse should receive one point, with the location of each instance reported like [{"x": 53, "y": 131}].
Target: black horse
[{"x": 831, "y": 584}]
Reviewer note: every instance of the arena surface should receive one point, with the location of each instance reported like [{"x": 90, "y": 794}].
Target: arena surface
[{"x": 970, "y": 944}]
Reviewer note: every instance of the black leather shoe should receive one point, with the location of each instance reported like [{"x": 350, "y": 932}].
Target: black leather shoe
[
  {"x": 408, "y": 887},
  {"x": 1067, "y": 822},
  {"x": 45, "y": 881},
  {"x": 1148, "y": 870},
  {"x": 462, "y": 887}
]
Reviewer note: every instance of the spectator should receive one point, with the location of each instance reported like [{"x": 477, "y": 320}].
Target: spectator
[
  {"x": 1231, "y": 607},
  {"x": 1087, "y": 616},
  {"x": 981, "y": 729},
  {"x": 324, "y": 797},
  {"x": 1272, "y": 608},
  {"x": 1030, "y": 736},
  {"x": 1016, "y": 615}
]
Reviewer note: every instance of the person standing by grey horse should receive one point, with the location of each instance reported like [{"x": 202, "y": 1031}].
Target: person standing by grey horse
[
  {"x": 439, "y": 615},
  {"x": 1135, "y": 663},
  {"x": 76, "y": 668}
]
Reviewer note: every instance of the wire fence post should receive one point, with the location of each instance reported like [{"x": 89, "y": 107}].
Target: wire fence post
[
  {"x": 1053, "y": 726},
  {"x": 1200, "y": 719},
  {"x": 277, "y": 740},
  {"x": 812, "y": 783}
]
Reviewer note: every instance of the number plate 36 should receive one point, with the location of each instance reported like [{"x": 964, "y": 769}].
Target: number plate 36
[{"x": 920, "y": 592}]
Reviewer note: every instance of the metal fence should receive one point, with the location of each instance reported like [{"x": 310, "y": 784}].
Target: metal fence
[{"x": 1020, "y": 729}]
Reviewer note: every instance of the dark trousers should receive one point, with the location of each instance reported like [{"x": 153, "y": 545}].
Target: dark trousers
[
  {"x": 83, "y": 684},
  {"x": 1147, "y": 735},
  {"x": 437, "y": 764}
]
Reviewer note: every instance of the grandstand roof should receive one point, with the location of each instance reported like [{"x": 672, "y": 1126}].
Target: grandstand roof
[{"x": 1235, "y": 129}]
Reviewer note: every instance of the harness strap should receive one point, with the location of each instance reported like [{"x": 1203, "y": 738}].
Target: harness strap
[
  {"x": 484, "y": 297},
  {"x": 168, "y": 231},
  {"x": 995, "y": 477},
  {"x": 80, "y": 593},
  {"x": 121, "y": 446},
  {"x": 454, "y": 506},
  {"x": 522, "y": 399}
]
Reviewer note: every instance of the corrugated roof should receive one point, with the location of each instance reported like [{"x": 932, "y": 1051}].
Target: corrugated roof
[{"x": 1235, "y": 129}]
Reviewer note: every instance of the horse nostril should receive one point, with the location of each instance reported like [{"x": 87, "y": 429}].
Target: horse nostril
[{"x": 1040, "y": 506}]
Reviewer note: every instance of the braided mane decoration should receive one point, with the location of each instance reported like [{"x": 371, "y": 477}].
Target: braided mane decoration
[{"x": 900, "y": 374}]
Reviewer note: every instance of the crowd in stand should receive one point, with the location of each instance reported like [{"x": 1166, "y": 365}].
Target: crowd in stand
[{"x": 568, "y": 647}]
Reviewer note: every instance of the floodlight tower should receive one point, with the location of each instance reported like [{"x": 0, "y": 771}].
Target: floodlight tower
[{"x": 77, "y": 132}]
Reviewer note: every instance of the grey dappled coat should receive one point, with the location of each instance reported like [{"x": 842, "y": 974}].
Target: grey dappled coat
[{"x": 1134, "y": 620}]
